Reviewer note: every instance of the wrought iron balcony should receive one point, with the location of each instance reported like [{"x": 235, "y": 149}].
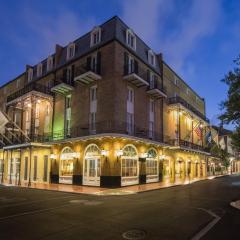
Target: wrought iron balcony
[
  {"x": 156, "y": 90},
  {"x": 184, "y": 103},
  {"x": 62, "y": 86},
  {"x": 33, "y": 86},
  {"x": 136, "y": 76},
  {"x": 191, "y": 145},
  {"x": 88, "y": 73},
  {"x": 101, "y": 128}
]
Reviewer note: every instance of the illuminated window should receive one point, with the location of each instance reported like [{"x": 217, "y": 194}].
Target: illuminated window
[
  {"x": 152, "y": 163},
  {"x": 131, "y": 39},
  {"x": 95, "y": 36},
  {"x": 66, "y": 164}
]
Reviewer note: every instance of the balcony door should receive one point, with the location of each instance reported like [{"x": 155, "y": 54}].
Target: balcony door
[{"x": 92, "y": 166}]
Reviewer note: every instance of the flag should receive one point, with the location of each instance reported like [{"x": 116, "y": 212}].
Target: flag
[
  {"x": 198, "y": 130},
  {"x": 209, "y": 137}
]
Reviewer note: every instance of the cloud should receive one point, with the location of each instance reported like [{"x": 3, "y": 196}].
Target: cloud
[
  {"x": 44, "y": 32},
  {"x": 201, "y": 21},
  {"x": 189, "y": 24},
  {"x": 144, "y": 17}
]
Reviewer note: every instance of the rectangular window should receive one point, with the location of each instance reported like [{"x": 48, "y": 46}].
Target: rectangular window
[
  {"x": 18, "y": 83},
  {"x": 39, "y": 70},
  {"x": 93, "y": 121},
  {"x": 30, "y": 74},
  {"x": 95, "y": 36},
  {"x": 93, "y": 93},
  {"x": 130, "y": 95},
  {"x": 151, "y": 118},
  {"x": 130, "y": 124},
  {"x": 25, "y": 168},
  {"x": 45, "y": 170},
  {"x": 68, "y": 115},
  {"x": 131, "y": 39},
  {"x": 35, "y": 168}
]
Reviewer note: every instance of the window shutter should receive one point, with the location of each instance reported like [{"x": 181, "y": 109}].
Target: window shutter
[
  {"x": 135, "y": 66},
  {"x": 155, "y": 84},
  {"x": 64, "y": 74},
  {"x": 99, "y": 62},
  {"x": 125, "y": 67},
  {"x": 89, "y": 63},
  {"x": 148, "y": 75},
  {"x": 73, "y": 73}
]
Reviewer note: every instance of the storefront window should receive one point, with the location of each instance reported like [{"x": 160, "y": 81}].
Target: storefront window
[
  {"x": 129, "y": 166},
  {"x": 152, "y": 163},
  {"x": 66, "y": 166}
]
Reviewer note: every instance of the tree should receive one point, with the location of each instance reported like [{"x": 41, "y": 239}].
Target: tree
[
  {"x": 231, "y": 106},
  {"x": 220, "y": 153}
]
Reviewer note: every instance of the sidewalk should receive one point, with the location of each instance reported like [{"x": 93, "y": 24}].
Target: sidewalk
[{"x": 106, "y": 191}]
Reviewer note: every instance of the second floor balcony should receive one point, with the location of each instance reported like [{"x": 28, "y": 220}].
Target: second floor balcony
[
  {"x": 31, "y": 87},
  {"x": 188, "y": 106}
]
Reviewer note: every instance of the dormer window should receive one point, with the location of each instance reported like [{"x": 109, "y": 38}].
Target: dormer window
[
  {"x": 95, "y": 36},
  {"x": 131, "y": 39},
  {"x": 70, "y": 51},
  {"x": 39, "y": 70},
  {"x": 175, "y": 80},
  {"x": 30, "y": 74},
  {"x": 49, "y": 63},
  {"x": 151, "y": 57}
]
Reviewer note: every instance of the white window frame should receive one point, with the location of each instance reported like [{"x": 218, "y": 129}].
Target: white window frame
[
  {"x": 175, "y": 80},
  {"x": 30, "y": 74},
  {"x": 97, "y": 31},
  {"x": 18, "y": 83},
  {"x": 130, "y": 34},
  {"x": 49, "y": 63},
  {"x": 39, "y": 70},
  {"x": 150, "y": 56},
  {"x": 70, "y": 51}
]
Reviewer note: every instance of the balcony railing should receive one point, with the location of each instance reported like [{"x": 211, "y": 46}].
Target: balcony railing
[
  {"x": 136, "y": 76},
  {"x": 176, "y": 100},
  {"x": 191, "y": 145},
  {"x": 88, "y": 73},
  {"x": 33, "y": 86},
  {"x": 156, "y": 89},
  {"x": 62, "y": 85}
]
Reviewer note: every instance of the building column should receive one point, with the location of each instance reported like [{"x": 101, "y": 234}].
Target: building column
[
  {"x": 11, "y": 168},
  {"x": 30, "y": 166},
  {"x": 172, "y": 170}
]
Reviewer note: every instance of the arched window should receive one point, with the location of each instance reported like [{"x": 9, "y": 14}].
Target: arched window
[
  {"x": 66, "y": 162},
  {"x": 152, "y": 166},
  {"x": 92, "y": 165},
  {"x": 129, "y": 166}
]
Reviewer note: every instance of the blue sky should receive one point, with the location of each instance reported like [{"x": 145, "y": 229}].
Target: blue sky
[{"x": 198, "y": 38}]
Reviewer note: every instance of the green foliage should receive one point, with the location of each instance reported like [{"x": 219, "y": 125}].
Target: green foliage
[
  {"x": 231, "y": 106},
  {"x": 220, "y": 153}
]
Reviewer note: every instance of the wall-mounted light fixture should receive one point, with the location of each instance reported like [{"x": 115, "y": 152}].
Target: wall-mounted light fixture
[
  {"x": 143, "y": 155},
  {"x": 53, "y": 156},
  {"x": 162, "y": 157},
  {"x": 105, "y": 153},
  {"x": 119, "y": 153}
]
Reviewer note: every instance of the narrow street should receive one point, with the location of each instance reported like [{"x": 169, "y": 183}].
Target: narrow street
[{"x": 181, "y": 212}]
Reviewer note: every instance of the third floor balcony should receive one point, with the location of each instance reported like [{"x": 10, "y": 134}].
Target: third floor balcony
[
  {"x": 188, "y": 106},
  {"x": 156, "y": 89},
  {"x": 135, "y": 75},
  {"x": 88, "y": 73}
]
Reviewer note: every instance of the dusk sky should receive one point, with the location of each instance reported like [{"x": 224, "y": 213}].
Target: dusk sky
[{"x": 198, "y": 38}]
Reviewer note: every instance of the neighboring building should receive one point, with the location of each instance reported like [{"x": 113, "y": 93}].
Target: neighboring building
[
  {"x": 225, "y": 142},
  {"x": 105, "y": 110}
]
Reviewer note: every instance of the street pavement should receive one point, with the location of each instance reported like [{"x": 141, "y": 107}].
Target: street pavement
[{"x": 199, "y": 210}]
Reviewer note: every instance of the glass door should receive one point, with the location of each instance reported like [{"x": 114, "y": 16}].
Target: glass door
[{"x": 92, "y": 172}]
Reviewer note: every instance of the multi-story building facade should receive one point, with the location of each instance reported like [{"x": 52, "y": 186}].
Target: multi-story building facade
[{"x": 105, "y": 110}]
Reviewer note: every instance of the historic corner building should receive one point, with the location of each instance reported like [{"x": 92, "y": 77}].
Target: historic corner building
[{"x": 105, "y": 110}]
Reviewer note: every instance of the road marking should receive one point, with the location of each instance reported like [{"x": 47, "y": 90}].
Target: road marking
[
  {"x": 32, "y": 212},
  {"x": 207, "y": 228},
  {"x": 26, "y": 202}
]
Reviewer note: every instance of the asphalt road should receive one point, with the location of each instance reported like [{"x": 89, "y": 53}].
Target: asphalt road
[{"x": 181, "y": 212}]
